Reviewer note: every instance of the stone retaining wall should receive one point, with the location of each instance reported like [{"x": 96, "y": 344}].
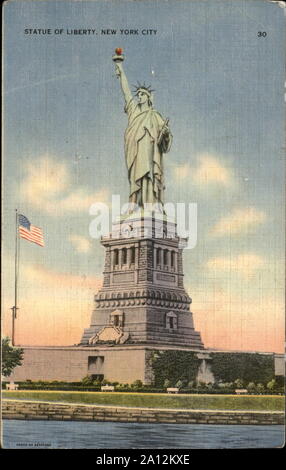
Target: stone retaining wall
[
  {"x": 120, "y": 363},
  {"x": 19, "y": 409}
]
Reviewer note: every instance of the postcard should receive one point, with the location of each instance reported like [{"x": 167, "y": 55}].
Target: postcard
[{"x": 143, "y": 226}]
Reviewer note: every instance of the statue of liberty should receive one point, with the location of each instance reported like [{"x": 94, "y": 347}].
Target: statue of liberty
[{"x": 146, "y": 139}]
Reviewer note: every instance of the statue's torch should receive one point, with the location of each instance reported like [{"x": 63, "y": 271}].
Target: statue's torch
[{"x": 118, "y": 58}]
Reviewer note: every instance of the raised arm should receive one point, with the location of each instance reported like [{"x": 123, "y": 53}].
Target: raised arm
[{"x": 123, "y": 82}]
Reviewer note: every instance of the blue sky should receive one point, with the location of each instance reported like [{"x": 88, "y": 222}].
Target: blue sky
[{"x": 222, "y": 88}]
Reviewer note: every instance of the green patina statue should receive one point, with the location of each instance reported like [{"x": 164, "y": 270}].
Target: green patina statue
[{"x": 147, "y": 138}]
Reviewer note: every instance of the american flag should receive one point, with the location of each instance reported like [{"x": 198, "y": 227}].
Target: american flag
[{"x": 29, "y": 231}]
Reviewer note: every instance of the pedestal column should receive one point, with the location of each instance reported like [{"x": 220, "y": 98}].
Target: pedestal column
[
  {"x": 169, "y": 259},
  {"x": 129, "y": 250},
  {"x": 120, "y": 257}
]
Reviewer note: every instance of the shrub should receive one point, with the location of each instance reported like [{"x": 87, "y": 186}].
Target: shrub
[
  {"x": 105, "y": 382},
  {"x": 137, "y": 384},
  {"x": 226, "y": 385},
  {"x": 201, "y": 385},
  {"x": 121, "y": 386},
  {"x": 238, "y": 383},
  {"x": 251, "y": 387},
  {"x": 179, "y": 384},
  {"x": 87, "y": 380},
  {"x": 271, "y": 385},
  {"x": 96, "y": 383},
  {"x": 167, "y": 383},
  {"x": 260, "y": 388}
]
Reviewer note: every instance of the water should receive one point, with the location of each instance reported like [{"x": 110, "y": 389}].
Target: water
[{"x": 100, "y": 435}]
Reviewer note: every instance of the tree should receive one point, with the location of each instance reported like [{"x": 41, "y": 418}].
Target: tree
[{"x": 11, "y": 357}]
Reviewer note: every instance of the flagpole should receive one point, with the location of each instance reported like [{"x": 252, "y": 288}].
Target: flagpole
[
  {"x": 14, "y": 309},
  {"x": 24, "y": 229}
]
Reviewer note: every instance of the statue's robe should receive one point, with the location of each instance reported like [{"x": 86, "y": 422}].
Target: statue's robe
[{"x": 144, "y": 153}]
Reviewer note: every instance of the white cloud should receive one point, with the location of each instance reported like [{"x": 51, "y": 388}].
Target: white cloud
[
  {"x": 48, "y": 186},
  {"x": 209, "y": 170},
  {"x": 45, "y": 277},
  {"x": 45, "y": 178},
  {"x": 81, "y": 244},
  {"x": 239, "y": 222},
  {"x": 244, "y": 264},
  {"x": 80, "y": 200},
  {"x": 183, "y": 172}
]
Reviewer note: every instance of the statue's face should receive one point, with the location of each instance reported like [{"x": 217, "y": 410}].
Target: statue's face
[{"x": 142, "y": 97}]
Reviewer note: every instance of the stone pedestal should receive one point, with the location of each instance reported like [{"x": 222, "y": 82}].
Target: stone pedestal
[{"x": 143, "y": 300}]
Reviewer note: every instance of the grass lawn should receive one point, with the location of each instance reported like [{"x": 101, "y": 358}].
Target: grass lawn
[{"x": 156, "y": 400}]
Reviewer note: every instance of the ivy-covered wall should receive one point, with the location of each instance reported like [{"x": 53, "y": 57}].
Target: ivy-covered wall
[
  {"x": 174, "y": 366},
  {"x": 228, "y": 367}
]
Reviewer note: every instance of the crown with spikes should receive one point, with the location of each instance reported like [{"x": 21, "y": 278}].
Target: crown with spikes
[{"x": 143, "y": 88}]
